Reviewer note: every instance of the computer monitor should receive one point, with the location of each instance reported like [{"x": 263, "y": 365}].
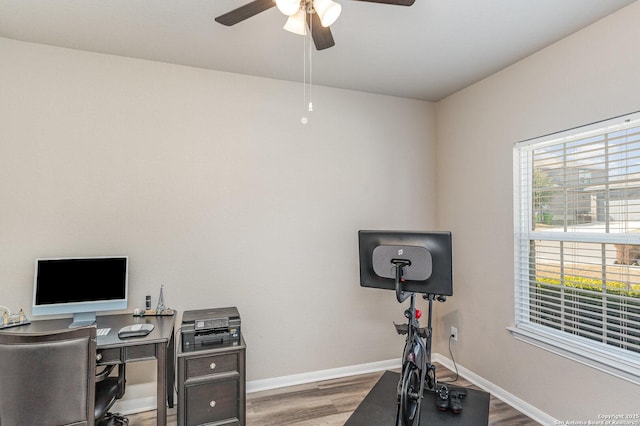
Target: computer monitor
[
  {"x": 426, "y": 256},
  {"x": 80, "y": 286}
]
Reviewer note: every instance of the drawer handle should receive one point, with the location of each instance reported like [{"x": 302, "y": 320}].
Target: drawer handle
[
  {"x": 212, "y": 366},
  {"x": 212, "y": 404}
]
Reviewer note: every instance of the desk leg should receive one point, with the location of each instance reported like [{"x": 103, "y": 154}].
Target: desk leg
[
  {"x": 161, "y": 353},
  {"x": 171, "y": 371}
]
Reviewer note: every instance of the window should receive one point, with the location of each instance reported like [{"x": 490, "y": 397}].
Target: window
[{"x": 577, "y": 244}]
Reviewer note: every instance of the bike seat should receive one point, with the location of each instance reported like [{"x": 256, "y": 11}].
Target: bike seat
[{"x": 401, "y": 328}]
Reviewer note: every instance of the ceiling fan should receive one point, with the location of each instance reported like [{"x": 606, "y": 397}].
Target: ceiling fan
[{"x": 317, "y": 14}]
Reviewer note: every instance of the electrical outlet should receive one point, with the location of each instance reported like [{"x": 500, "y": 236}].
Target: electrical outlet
[{"x": 454, "y": 333}]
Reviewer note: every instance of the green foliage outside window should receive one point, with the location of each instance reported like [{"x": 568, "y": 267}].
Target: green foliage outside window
[{"x": 613, "y": 287}]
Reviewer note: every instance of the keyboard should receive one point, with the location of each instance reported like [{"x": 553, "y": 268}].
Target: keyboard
[{"x": 103, "y": 331}]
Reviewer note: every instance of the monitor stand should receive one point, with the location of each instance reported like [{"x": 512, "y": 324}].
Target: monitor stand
[{"x": 83, "y": 319}]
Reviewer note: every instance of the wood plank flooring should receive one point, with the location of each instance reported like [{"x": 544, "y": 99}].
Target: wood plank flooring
[{"x": 330, "y": 403}]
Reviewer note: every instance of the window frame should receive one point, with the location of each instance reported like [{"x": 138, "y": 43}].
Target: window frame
[{"x": 601, "y": 356}]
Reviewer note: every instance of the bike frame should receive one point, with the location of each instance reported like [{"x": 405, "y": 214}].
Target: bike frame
[
  {"x": 415, "y": 350},
  {"x": 416, "y": 353}
]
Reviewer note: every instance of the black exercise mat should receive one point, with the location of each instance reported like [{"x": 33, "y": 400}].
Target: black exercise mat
[{"x": 379, "y": 407}]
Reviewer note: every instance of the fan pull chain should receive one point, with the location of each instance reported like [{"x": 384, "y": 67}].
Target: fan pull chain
[
  {"x": 306, "y": 44},
  {"x": 304, "y": 119},
  {"x": 310, "y": 61}
]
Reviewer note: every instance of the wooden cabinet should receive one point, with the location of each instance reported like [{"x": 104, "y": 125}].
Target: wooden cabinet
[{"x": 211, "y": 385}]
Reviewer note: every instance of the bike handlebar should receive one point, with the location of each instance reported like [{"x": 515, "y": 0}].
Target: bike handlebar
[{"x": 401, "y": 295}]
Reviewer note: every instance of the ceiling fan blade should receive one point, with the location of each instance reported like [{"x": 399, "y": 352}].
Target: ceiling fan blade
[
  {"x": 322, "y": 37},
  {"x": 245, "y": 12},
  {"x": 393, "y": 2}
]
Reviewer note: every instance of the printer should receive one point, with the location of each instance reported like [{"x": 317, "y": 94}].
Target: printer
[{"x": 206, "y": 328}]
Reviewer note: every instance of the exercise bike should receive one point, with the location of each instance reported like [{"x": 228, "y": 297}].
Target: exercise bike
[{"x": 418, "y": 373}]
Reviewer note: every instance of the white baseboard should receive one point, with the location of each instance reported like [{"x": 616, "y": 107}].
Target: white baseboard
[
  {"x": 137, "y": 397},
  {"x": 316, "y": 376},
  {"x": 517, "y": 403}
]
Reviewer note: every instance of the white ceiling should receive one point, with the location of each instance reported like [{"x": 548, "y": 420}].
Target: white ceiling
[{"x": 426, "y": 51}]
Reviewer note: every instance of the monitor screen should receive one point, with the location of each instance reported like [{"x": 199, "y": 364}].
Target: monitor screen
[
  {"x": 80, "y": 286},
  {"x": 427, "y": 256}
]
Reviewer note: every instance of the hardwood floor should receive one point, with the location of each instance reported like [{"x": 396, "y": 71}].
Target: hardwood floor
[{"x": 330, "y": 403}]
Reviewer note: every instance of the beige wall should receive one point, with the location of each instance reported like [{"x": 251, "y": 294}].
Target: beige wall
[
  {"x": 213, "y": 187},
  {"x": 589, "y": 76}
]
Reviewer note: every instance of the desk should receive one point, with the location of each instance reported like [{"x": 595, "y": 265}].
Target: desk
[{"x": 158, "y": 344}]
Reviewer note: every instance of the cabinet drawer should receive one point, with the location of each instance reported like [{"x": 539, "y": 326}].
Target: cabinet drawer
[
  {"x": 126, "y": 354},
  {"x": 211, "y": 402},
  {"x": 212, "y": 364},
  {"x": 140, "y": 352},
  {"x": 109, "y": 356}
]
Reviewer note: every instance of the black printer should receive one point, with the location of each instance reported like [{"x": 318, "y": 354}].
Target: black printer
[{"x": 204, "y": 328}]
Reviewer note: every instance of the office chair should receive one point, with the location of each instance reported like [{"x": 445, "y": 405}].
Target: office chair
[{"x": 50, "y": 379}]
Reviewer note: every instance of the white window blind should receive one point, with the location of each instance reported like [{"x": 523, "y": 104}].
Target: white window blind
[{"x": 577, "y": 244}]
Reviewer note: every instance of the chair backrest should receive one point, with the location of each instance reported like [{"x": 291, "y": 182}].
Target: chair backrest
[{"x": 48, "y": 379}]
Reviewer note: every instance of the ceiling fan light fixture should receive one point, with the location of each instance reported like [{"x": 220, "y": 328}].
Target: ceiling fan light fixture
[
  {"x": 297, "y": 23},
  {"x": 328, "y": 11},
  {"x": 288, "y": 7}
]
